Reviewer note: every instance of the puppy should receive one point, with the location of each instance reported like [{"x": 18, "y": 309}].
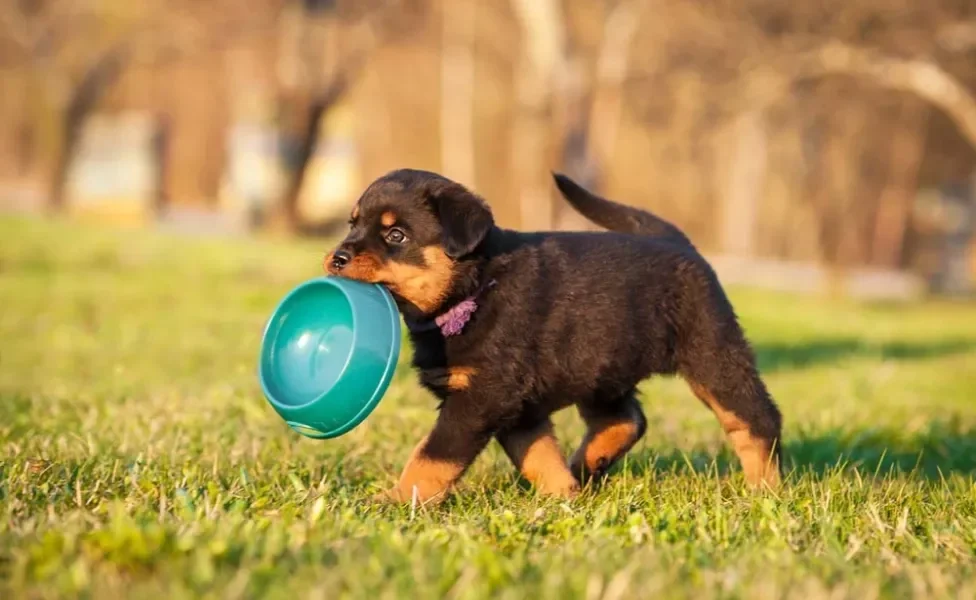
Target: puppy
[{"x": 509, "y": 327}]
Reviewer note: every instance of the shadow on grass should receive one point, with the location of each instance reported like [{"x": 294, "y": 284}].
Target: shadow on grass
[
  {"x": 940, "y": 450},
  {"x": 773, "y": 357}
]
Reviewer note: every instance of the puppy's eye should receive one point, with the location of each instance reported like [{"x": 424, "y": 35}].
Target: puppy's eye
[{"x": 396, "y": 236}]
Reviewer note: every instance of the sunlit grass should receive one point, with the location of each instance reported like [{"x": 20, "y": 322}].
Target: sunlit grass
[{"x": 138, "y": 458}]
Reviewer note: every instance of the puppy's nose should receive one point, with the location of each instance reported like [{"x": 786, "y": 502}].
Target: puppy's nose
[{"x": 340, "y": 258}]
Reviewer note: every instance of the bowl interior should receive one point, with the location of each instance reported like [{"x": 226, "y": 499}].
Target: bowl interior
[{"x": 309, "y": 342}]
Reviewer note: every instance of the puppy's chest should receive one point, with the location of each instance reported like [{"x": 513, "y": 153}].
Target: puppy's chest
[
  {"x": 443, "y": 373},
  {"x": 444, "y": 381}
]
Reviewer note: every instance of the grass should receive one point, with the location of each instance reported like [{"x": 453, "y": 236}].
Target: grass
[{"x": 138, "y": 458}]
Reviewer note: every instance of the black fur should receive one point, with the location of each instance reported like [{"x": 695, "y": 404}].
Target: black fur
[{"x": 465, "y": 219}]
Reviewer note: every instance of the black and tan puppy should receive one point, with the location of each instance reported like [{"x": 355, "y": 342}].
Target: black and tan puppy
[{"x": 509, "y": 327}]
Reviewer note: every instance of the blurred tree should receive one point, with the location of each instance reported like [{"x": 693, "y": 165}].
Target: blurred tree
[
  {"x": 750, "y": 58},
  {"x": 79, "y": 48},
  {"x": 326, "y": 44},
  {"x": 568, "y": 94},
  {"x": 75, "y": 54},
  {"x": 542, "y": 72},
  {"x": 457, "y": 101}
]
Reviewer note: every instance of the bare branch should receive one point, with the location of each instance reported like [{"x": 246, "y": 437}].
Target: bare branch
[
  {"x": 611, "y": 71},
  {"x": 923, "y": 78}
]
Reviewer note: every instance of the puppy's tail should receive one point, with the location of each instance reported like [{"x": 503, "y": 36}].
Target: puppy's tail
[{"x": 615, "y": 216}]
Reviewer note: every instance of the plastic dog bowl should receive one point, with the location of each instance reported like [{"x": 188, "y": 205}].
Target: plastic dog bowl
[{"x": 328, "y": 354}]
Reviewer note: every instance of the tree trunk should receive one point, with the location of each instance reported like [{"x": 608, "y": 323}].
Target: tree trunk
[
  {"x": 835, "y": 192},
  {"x": 457, "y": 90},
  {"x": 612, "y": 66},
  {"x": 542, "y": 66},
  {"x": 895, "y": 204},
  {"x": 591, "y": 111},
  {"x": 746, "y": 178},
  {"x": 84, "y": 98},
  {"x": 307, "y": 132}
]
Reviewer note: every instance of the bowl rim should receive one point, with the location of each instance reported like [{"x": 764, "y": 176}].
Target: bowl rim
[
  {"x": 385, "y": 379},
  {"x": 334, "y": 283}
]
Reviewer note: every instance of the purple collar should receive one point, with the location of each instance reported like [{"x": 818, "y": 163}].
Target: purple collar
[{"x": 452, "y": 321}]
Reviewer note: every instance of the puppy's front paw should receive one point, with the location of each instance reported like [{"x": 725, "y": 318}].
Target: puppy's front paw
[
  {"x": 416, "y": 494},
  {"x": 390, "y": 496},
  {"x": 560, "y": 485}
]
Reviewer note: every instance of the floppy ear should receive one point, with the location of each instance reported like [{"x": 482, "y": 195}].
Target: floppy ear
[{"x": 464, "y": 217}]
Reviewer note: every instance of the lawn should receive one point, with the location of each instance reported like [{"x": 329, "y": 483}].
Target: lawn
[{"x": 139, "y": 459}]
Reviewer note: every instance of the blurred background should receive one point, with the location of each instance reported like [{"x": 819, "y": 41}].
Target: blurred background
[{"x": 824, "y": 145}]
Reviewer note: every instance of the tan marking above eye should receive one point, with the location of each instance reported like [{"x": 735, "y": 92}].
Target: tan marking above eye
[{"x": 388, "y": 219}]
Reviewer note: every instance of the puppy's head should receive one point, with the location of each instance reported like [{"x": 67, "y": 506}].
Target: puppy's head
[{"x": 408, "y": 231}]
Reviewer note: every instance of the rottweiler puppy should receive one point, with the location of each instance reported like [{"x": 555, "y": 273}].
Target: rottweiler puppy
[{"x": 509, "y": 327}]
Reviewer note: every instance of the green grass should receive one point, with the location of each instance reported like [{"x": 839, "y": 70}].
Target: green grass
[{"x": 138, "y": 458}]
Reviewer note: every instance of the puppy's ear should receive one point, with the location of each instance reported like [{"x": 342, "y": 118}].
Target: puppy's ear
[{"x": 464, "y": 217}]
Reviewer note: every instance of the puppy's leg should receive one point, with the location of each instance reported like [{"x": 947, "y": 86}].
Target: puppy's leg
[
  {"x": 715, "y": 358},
  {"x": 612, "y": 428},
  {"x": 440, "y": 459},
  {"x": 535, "y": 453},
  {"x": 730, "y": 386}
]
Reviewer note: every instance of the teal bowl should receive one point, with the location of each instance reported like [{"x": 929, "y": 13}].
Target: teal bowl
[{"x": 328, "y": 354}]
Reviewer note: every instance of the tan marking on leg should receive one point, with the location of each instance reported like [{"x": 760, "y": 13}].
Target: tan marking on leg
[
  {"x": 607, "y": 439},
  {"x": 455, "y": 379},
  {"x": 388, "y": 219},
  {"x": 431, "y": 479},
  {"x": 604, "y": 444},
  {"x": 460, "y": 378},
  {"x": 755, "y": 453},
  {"x": 535, "y": 452}
]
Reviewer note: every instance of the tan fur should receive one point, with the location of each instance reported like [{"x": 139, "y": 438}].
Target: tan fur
[
  {"x": 363, "y": 267},
  {"x": 431, "y": 479},
  {"x": 455, "y": 379},
  {"x": 355, "y": 212},
  {"x": 754, "y": 453},
  {"x": 460, "y": 378},
  {"x": 425, "y": 287},
  {"x": 537, "y": 456},
  {"x": 388, "y": 219},
  {"x": 605, "y": 442}
]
